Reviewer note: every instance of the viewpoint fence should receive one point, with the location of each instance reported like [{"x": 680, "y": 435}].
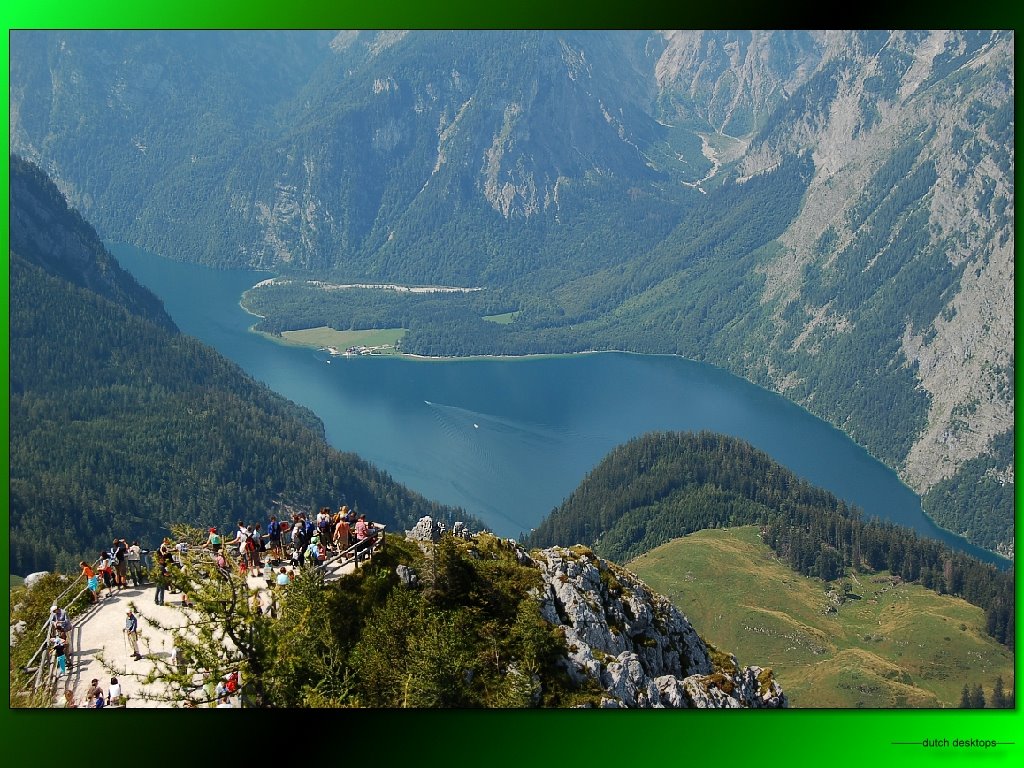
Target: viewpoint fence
[{"x": 43, "y": 665}]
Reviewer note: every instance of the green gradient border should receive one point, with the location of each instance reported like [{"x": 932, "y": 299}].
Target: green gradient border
[{"x": 602, "y": 738}]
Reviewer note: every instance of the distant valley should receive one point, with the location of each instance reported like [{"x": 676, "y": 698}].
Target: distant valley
[{"x": 827, "y": 214}]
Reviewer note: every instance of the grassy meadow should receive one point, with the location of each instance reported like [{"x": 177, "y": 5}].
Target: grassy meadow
[
  {"x": 503, "y": 319},
  {"x": 887, "y": 646},
  {"x": 342, "y": 340}
]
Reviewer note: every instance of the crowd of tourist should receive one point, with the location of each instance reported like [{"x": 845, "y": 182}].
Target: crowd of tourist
[{"x": 274, "y": 552}]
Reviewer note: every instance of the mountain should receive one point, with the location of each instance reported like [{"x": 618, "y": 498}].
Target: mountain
[
  {"x": 558, "y": 627},
  {"x": 828, "y": 214},
  {"x": 869, "y": 640},
  {"x": 661, "y": 486},
  {"x": 49, "y": 235},
  {"x": 119, "y": 424}
]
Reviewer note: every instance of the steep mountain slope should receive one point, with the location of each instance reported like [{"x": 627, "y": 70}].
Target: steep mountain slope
[
  {"x": 662, "y": 486},
  {"x": 904, "y": 247},
  {"x": 828, "y": 214},
  {"x": 119, "y": 424},
  {"x": 46, "y": 233}
]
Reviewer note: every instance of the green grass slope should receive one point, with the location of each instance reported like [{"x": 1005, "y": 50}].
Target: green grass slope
[{"x": 888, "y": 646}]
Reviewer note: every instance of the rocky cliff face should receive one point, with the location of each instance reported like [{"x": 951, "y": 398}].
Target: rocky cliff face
[
  {"x": 948, "y": 95},
  {"x": 639, "y": 648}
]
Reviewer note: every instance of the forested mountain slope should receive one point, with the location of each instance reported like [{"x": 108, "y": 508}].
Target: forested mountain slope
[
  {"x": 828, "y": 214},
  {"x": 664, "y": 485},
  {"x": 119, "y": 424}
]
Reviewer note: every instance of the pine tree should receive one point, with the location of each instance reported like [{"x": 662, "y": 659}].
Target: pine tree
[
  {"x": 965, "y": 697},
  {"x": 977, "y": 697},
  {"x": 223, "y": 632},
  {"x": 998, "y": 695}
]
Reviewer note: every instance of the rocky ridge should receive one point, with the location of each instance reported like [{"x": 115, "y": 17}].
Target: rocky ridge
[
  {"x": 638, "y": 646},
  {"x": 623, "y": 637}
]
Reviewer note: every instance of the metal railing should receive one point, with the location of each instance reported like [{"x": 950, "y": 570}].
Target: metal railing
[
  {"x": 46, "y": 671},
  {"x": 359, "y": 548}
]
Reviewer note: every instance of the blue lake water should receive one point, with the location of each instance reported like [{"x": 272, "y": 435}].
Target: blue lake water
[{"x": 508, "y": 439}]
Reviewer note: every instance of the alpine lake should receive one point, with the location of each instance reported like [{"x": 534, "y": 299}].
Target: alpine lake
[{"x": 507, "y": 439}]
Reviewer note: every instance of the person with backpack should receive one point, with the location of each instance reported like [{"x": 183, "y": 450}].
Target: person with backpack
[
  {"x": 323, "y": 525},
  {"x": 106, "y": 569},
  {"x": 298, "y": 539},
  {"x": 274, "y": 538},
  {"x": 257, "y": 546}
]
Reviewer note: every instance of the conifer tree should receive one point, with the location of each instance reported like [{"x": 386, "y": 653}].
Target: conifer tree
[
  {"x": 998, "y": 695},
  {"x": 965, "y": 697},
  {"x": 977, "y": 697},
  {"x": 223, "y": 631}
]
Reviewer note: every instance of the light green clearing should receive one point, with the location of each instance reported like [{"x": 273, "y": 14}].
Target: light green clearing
[
  {"x": 342, "y": 340},
  {"x": 892, "y": 646},
  {"x": 503, "y": 319}
]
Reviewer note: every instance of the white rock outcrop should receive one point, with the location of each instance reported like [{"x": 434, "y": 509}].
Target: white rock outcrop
[{"x": 635, "y": 644}]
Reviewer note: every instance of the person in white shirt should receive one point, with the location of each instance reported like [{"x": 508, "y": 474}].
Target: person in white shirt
[
  {"x": 135, "y": 564},
  {"x": 114, "y": 693}
]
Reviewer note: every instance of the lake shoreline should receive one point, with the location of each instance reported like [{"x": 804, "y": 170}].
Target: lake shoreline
[{"x": 417, "y": 358}]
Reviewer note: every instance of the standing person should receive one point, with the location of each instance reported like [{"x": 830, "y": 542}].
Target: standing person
[
  {"x": 323, "y": 524},
  {"x": 61, "y": 622},
  {"x": 60, "y": 651},
  {"x": 362, "y": 536},
  {"x": 92, "y": 580},
  {"x": 180, "y": 553},
  {"x": 342, "y": 534},
  {"x": 274, "y": 538},
  {"x": 213, "y": 541},
  {"x": 131, "y": 631},
  {"x": 256, "y": 537},
  {"x": 298, "y": 540},
  {"x": 134, "y": 558},
  {"x": 241, "y": 540},
  {"x": 107, "y": 570},
  {"x": 119, "y": 556},
  {"x": 161, "y": 573}
]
